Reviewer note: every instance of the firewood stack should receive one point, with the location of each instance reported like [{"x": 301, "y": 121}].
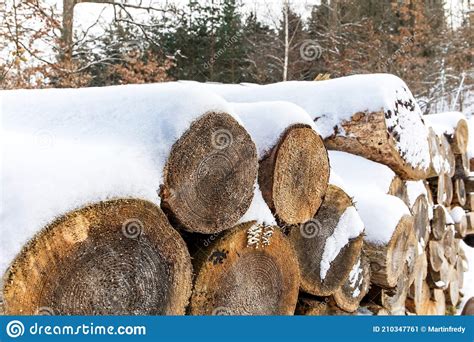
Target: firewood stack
[{"x": 261, "y": 208}]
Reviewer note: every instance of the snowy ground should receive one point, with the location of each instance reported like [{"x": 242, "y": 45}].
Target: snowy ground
[{"x": 468, "y": 288}]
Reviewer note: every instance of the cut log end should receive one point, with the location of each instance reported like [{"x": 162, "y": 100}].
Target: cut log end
[
  {"x": 210, "y": 175},
  {"x": 293, "y": 177},
  {"x": 233, "y": 278},
  {"x": 118, "y": 257},
  {"x": 309, "y": 240}
]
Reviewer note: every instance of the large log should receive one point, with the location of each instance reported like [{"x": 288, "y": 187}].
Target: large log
[
  {"x": 294, "y": 175},
  {"x": 233, "y": 278},
  {"x": 387, "y": 260},
  {"x": 329, "y": 245},
  {"x": 119, "y": 257},
  {"x": 209, "y": 175},
  {"x": 349, "y": 295}
]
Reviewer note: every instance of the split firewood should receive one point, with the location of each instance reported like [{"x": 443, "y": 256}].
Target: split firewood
[
  {"x": 119, "y": 257},
  {"x": 293, "y": 162},
  {"x": 350, "y": 294},
  {"x": 329, "y": 245},
  {"x": 235, "y": 277}
]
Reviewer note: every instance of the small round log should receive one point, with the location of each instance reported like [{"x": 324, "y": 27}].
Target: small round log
[
  {"x": 119, "y": 257},
  {"x": 436, "y": 155},
  {"x": 293, "y": 176},
  {"x": 350, "y": 294},
  {"x": 438, "y": 189},
  {"x": 387, "y": 261},
  {"x": 436, "y": 255},
  {"x": 235, "y": 279},
  {"x": 210, "y": 175},
  {"x": 452, "y": 294},
  {"x": 313, "y": 239},
  {"x": 438, "y": 223},
  {"x": 459, "y": 196},
  {"x": 420, "y": 212}
]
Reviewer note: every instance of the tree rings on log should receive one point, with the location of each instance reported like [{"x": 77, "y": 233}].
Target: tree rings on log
[
  {"x": 351, "y": 292},
  {"x": 310, "y": 239},
  {"x": 387, "y": 261},
  {"x": 119, "y": 257},
  {"x": 293, "y": 176},
  {"x": 438, "y": 222},
  {"x": 233, "y": 278},
  {"x": 210, "y": 175},
  {"x": 420, "y": 212}
]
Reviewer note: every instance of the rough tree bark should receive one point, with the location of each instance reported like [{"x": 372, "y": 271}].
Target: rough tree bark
[
  {"x": 233, "y": 278},
  {"x": 119, "y": 257},
  {"x": 309, "y": 241}
]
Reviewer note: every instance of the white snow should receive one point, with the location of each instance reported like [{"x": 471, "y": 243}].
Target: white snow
[
  {"x": 332, "y": 102},
  {"x": 356, "y": 278},
  {"x": 349, "y": 227},
  {"x": 65, "y": 148},
  {"x": 457, "y": 214},
  {"x": 414, "y": 190},
  {"x": 336, "y": 180},
  {"x": 267, "y": 121},
  {"x": 468, "y": 285},
  {"x": 258, "y": 210},
  {"x": 444, "y": 123},
  {"x": 449, "y": 219},
  {"x": 360, "y": 171}
]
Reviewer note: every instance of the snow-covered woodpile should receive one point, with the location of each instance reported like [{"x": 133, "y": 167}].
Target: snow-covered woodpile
[{"x": 330, "y": 197}]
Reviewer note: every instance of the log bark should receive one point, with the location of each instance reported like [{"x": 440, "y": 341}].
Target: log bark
[
  {"x": 462, "y": 165},
  {"x": 309, "y": 241},
  {"x": 387, "y": 261},
  {"x": 459, "y": 193},
  {"x": 293, "y": 176},
  {"x": 210, "y": 175},
  {"x": 367, "y": 135},
  {"x": 119, "y": 257},
  {"x": 233, "y": 278},
  {"x": 349, "y": 295},
  {"x": 438, "y": 222}
]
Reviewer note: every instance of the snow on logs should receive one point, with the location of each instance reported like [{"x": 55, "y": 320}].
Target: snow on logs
[
  {"x": 452, "y": 125},
  {"x": 235, "y": 277},
  {"x": 197, "y": 152},
  {"x": 293, "y": 162},
  {"x": 329, "y": 245},
  {"x": 118, "y": 257},
  {"x": 377, "y": 117}
]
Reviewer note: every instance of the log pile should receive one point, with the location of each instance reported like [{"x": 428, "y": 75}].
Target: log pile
[{"x": 259, "y": 213}]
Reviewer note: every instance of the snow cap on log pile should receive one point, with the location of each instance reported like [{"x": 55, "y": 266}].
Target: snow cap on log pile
[
  {"x": 66, "y": 148},
  {"x": 333, "y": 104},
  {"x": 454, "y": 126},
  {"x": 258, "y": 211},
  {"x": 293, "y": 162},
  {"x": 368, "y": 183}
]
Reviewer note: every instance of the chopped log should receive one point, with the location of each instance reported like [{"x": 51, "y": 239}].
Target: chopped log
[
  {"x": 438, "y": 189},
  {"x": 469, "y": 205},
  {"x": 326, "y": 246},
  {"x": 118, "y": 257},
  {"x": 469, "y": 184},
  {"x": 420, "y": 212},
  {"x": 452, "y": 294},
  {"x": 436, "y": 155},
  {"x": 450, "y": 250},
  {"x": 398, "y": 188},
  {"x": 436, "y": 255},
  {"x": 462, "y": 165},
  {"x": 448, "y": 155},
  {"x": 438, "y": 222},
  {"x": 366, "y": 135},
  {"x": 459, "y": 189},
  {"x": 419, "y": 302},
  {"x": 418, "y": 294},
  {"x": 293, "y": 176},
  {"x": 210, "y": 175},
  {"x": 461, "y": 228},
  {"x": 449, "y": 190},
  {"x": 439, "y": 279},
  {"x": 233, "y": 278},
  {"x": 349, "y": 295},
  {"x": 387, "y": 261},
  {"x": 393, "y": 300}
]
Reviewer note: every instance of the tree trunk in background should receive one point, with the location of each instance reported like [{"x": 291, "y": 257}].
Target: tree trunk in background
[{"x": 119, "y": 257}]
